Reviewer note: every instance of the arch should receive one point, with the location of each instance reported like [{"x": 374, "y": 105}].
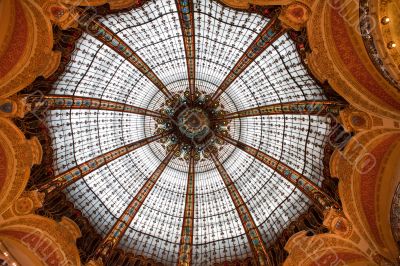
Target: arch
[
  {"x": 368, "y": 173},
  {"x": 339, "y": 56},
  {"x": 45, "y": 240}
]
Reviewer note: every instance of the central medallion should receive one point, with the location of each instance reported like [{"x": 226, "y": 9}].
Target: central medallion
[{"x": 194, "y": 123}]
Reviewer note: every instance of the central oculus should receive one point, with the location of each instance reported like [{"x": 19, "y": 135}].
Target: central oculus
[{"x": 194, "y": 123}]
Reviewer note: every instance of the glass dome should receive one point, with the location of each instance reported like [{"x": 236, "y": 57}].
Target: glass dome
[{"x": 222, "y": 37}]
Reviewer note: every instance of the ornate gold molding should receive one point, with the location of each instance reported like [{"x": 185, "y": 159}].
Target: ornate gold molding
[
  {"x": 25, "y": 47},
  {"x": 386, "y": 32},
  {"x": 337, "y": 223},
  {"x": 323, "y": 249},
  {"x": 295, "y": 15},
  {"x": 51, "y": 242},
  {"x": 63, "y": 7},
  {"x": 26, "y": 204},
  {"x": 245, "y": 4},
  {"x": 366, "y": 170},
  {"x": 339, "y": 57},
  {"x": 343, "y": 245},
  {"x": 354, "y": 120},
  {"x": 97, "y": 262},
  {"x": 17, "y": 155},
  {"x": 361, "y": 232},
  {"x": 13, "y": 107},
  {"x": 63, "y": 15}
]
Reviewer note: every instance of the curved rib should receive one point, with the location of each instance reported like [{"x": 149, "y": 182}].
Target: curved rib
[
  {"x": 186, "y": 18},
  {"x": 317, "y": 108},
  {"x": 118, "y": 230},
  {"x": 58, "y": 102},
  {"x": 109, "y": 38},
  {"x": 305, "y": 185},
  {"x": 272, "y": 31},
  {"x": 186, "y": 244},
  {"x": 253, "y": 234},
  {"x": 69, "y": 177}
]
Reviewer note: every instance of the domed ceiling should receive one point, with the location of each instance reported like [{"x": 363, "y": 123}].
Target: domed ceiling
[{"x": 159, "y": 139}]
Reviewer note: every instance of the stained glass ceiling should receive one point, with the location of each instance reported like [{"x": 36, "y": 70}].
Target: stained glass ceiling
[{"x": 221, "y": 37}]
